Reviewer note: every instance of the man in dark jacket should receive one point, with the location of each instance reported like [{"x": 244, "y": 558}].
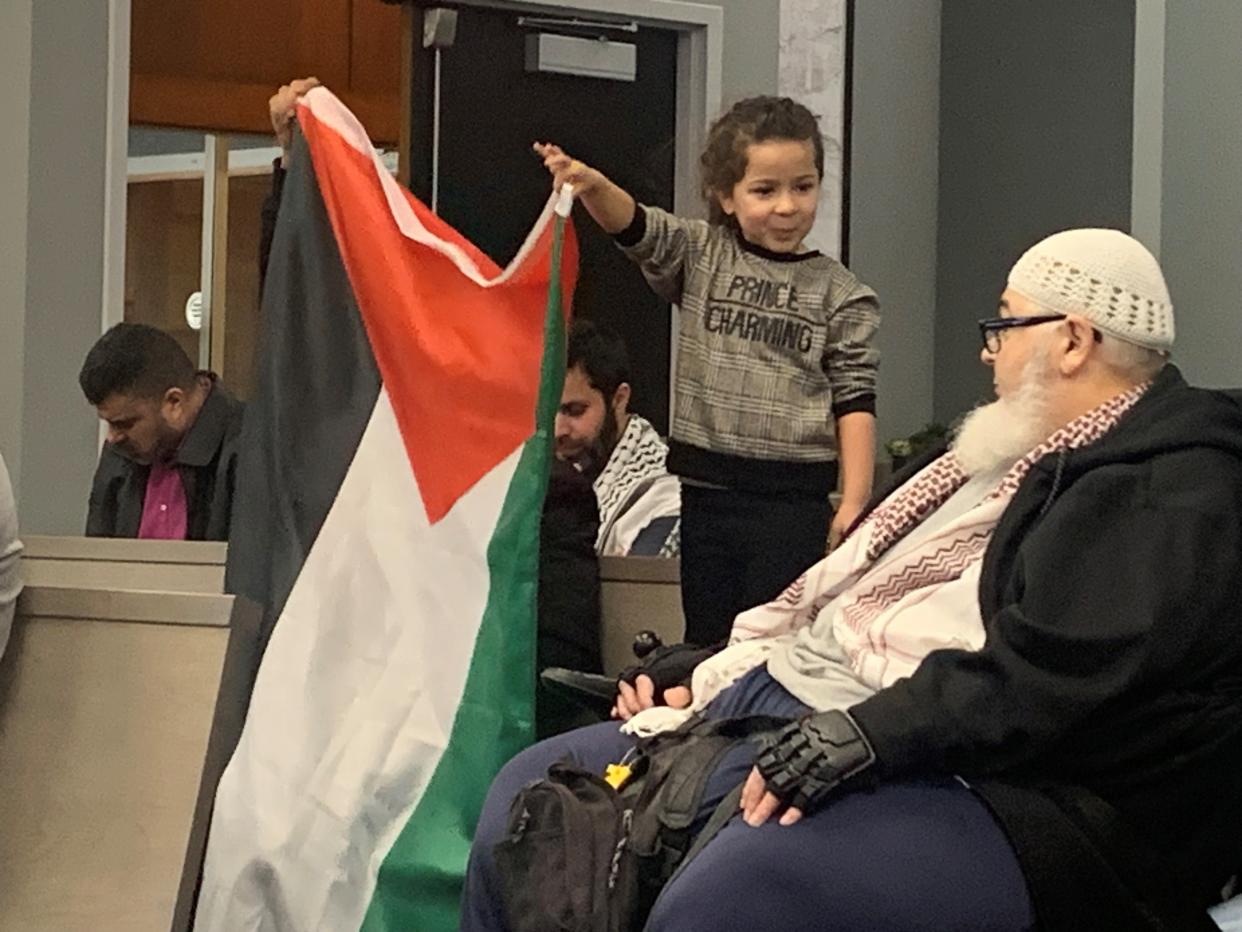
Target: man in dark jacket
[
  {"x": 1062, "y": 749},
  {"x": 167, "y": 469}
]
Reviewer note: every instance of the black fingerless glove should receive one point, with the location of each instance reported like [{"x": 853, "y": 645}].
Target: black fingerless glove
[
  {"x": 810, "y": 758},
  {"x": 669, "y": 666}
]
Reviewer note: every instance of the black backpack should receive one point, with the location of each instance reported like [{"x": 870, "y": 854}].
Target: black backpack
[{"x": 581, "y": 856}]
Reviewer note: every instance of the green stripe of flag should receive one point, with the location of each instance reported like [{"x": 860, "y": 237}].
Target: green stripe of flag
[{"x": 419, "y": 883}]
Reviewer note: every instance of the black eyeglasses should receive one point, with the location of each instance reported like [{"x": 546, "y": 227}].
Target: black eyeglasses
[{"x": 990, "y": 330}]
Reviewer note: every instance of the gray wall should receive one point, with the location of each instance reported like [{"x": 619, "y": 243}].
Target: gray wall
[
  {"x": 15, "y": 28},
  {"x": 751, "y": 48},
  {"x": 893, "y": 195},
  {"x": 1036, "y": 122},
  {"x": 1201, "y": 222},
  {"x": 60, "y": 315}
]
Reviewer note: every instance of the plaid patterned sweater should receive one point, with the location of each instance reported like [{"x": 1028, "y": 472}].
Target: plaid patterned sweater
[{"x": 771, "y": 347}]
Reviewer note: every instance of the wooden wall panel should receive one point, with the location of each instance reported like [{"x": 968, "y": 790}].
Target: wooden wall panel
[
  {"x": 164, "y": 222},
  {"x": 214, "y": 65},
  {"x": 240, "y": 365},
  {"x": 163, "y": 262},
  {"x": 375, "y": 48}
]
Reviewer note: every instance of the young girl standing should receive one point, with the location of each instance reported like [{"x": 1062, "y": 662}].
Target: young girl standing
[{"x": 776, "y": 363}]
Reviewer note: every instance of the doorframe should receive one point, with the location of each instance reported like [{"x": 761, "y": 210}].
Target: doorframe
[
  {"x": 115, "y": 182},
  {"x": 116, "y": 158},
  {"x": 700, "y": 53}
]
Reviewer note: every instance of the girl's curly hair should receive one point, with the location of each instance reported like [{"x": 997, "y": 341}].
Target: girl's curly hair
[{"x": 755, "y": 119}]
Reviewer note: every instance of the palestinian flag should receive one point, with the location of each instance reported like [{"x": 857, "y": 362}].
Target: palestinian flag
[{"x": 388, "y": 519}]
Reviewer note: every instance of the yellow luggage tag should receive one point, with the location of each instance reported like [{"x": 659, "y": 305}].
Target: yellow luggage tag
[{"x": 617, "y": 775}]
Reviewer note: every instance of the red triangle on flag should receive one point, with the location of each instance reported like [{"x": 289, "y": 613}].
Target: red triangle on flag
[{"x": 460, "y": 360}]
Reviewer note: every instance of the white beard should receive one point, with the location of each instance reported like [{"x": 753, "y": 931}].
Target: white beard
[{"x": 996, "y": 434}]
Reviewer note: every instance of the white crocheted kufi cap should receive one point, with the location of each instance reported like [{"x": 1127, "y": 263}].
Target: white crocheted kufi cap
[{"x": 1104, "y": 275}]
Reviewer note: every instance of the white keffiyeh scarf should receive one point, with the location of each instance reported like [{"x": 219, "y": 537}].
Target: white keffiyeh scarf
[{"x": 875, "y": 601}]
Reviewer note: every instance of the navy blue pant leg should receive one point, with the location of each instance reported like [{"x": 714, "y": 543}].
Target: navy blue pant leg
[
  {"x": 908, "y": 857},
  {"x": 593, "y": 747}
]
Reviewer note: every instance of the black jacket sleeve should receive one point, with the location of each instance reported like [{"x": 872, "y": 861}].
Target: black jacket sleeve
[
  {"x": 569, "y": 608},
  {"x": 117, "y": 494},
  {"x": 271, "y": 209},
  {"x": 101, "y": 508},
  {"x": 1082, "y": 625}
]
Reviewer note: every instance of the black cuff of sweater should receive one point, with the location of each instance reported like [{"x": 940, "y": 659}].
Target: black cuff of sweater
[
  {"x": 853, "y": 405},
  {"x": 634, "y": 233}
]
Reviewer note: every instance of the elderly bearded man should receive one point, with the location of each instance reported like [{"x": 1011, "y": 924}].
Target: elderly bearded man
[{"x": 1014, "y": 689}]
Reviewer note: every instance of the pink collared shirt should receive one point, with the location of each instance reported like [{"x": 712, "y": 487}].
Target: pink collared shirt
[{"x": 164, "y": 509}]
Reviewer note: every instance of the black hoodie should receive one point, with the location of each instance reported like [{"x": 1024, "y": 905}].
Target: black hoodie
[{"x": 1102, "y": 720}]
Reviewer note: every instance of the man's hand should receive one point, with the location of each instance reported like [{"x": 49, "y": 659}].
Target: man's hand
[
  {"x": 660, "y": 679},
  {"x": 281, "y": 108},
  {"x": 759, "y": 805},
  {"x": 642, "y": 695},
  {"x": 801, "y": 768}
]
